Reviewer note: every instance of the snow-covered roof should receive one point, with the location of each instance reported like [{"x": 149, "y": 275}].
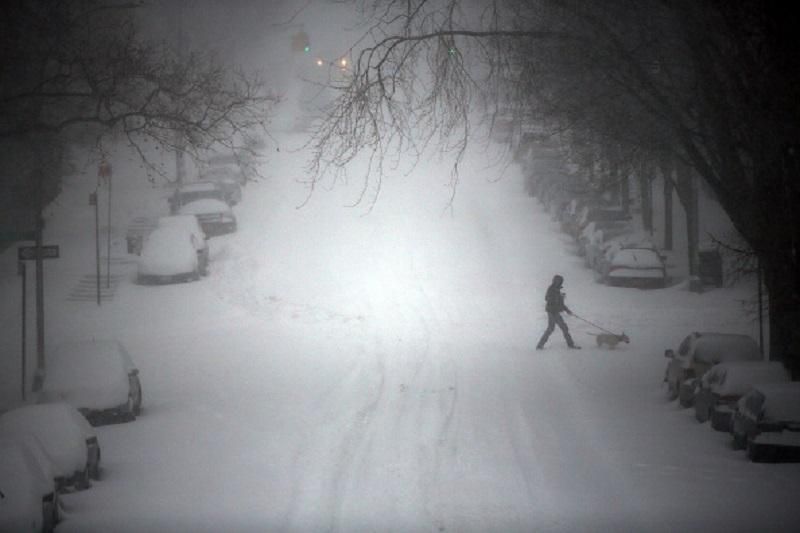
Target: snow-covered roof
[
  {"x": 187, "y": 222},
  {"x": 88, "y": 374}
]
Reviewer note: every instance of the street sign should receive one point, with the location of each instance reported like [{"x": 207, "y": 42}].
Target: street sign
[{"x": 28, "y": 253}]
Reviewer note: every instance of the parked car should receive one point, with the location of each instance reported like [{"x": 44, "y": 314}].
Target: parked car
[
  {"x": 199, "y": 239},
  {"x": 633, "y": 267},
  {"x": 226, "y": 166},
  {"x": 68, "y": 439},
  {"x": 169, "y": 255},
  {"x": 215, "y": 216},
  {"x": 609, "y": 246},
  {"x": 98, "y": 377},
  {"x": 767, "y": 422},
  {"x": 29, "y": 499},
  {"x": 698, "y": 352},
  {"x": 595, "y": 213},
  {"x": 232, "y": 190},
  {"x": 590, "y": 243},
  {"x": 191, "y": 192},
  {"x": 721, "y": 387},
  {"x": 578, "y": 210}
]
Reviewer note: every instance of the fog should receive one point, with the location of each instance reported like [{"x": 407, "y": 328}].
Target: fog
[{"x": 372, "y": 366}]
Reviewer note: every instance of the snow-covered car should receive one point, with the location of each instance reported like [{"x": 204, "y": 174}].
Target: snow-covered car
[
  {"x": 98, "y": 377},
  {"x": 232, "y": 190},
  {"x": 721, "y": 387},
  {"x": 590, "y": 243},
  {"x": 598, "y": 213},
  {"x": 767, "y": 422},
  {"x": 67, "y": 438},
  {"x": 29, "y": 498},
  {"x": 698, "y": 352},
  {"x": 169, "y": 255},
  {"x": 215, "y": 216},
  {"x": 635, "y": 267},
  {"x": 199, "y": 238},
  {"x": 191, "y": 192}
]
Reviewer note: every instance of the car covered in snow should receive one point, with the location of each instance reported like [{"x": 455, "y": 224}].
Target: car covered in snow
[
  {"x": 598, "y": 213},
  {"x": 97, "y": 376},
  {"x": 640, "y": 267},
  {"x": 721, "y": 387},
  {"x": 169, "y": 255},
  {"x": 199, "y": 239},
  {"x": 231, "y": 189},
  {"x": 767, "y": 422},
  {"x": 191, "y": 192},
  {"x": 29, "y": 499},
  {"x": 67, "y": 438},
  {"x": 215, "y": 216},
  {"x": 698, "y": 352},
  {"x": 595, "y": 234}
]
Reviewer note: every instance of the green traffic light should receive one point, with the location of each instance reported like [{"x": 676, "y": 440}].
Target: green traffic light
[{"x": 306, "y": 48}]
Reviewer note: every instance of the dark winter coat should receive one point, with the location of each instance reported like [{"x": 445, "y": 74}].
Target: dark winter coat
[{"x": 555, "y": 299}]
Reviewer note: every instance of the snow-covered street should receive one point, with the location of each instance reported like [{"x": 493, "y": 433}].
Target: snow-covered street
[{"x": 349, "y": 371}]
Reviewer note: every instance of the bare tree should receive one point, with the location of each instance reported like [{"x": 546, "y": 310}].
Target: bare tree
[
  {"x": 82, "y": 67},
  {"x": 714, "y": 84}
]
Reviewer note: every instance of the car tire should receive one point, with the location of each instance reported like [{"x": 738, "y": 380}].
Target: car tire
[
  {"x": 685, "y": 397},
  {"x": 83, "y": 482},
  {"x": 94, "y": 471},
  {"x": 701, "y": 413},
  {"x": 672, "y": 391},
  {"x": 739, "y": 441}
]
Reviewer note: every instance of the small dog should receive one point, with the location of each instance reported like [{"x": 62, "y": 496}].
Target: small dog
[{"x": 611, "y": 340}]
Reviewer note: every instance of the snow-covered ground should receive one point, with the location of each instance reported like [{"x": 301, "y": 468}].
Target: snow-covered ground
[{"x": 350, "y": 371}]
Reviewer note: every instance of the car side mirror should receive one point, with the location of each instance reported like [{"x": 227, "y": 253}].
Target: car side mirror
[{"x": 669, "y": 354}]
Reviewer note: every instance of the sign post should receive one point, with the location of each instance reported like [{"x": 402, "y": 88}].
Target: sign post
[
  {"x": 38, "y": 253},
  {"x": 93, "y": 201}
]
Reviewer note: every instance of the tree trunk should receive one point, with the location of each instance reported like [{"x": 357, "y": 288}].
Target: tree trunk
[
  {"x": 784, "y": 310},
  {"x": 666, "y": 174},
  {"x": 646, "y": 194},
  {"x": 624, "y": 189},
  {"x": 687, "y": 191}
]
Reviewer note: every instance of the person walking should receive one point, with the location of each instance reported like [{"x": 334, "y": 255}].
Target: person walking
[{"x": 554, "y": 306}]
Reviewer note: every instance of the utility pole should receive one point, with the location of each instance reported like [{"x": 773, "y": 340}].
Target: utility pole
[
  {"x": 38, "y": 379},
  {"x": 22, "y": 272},
  {"x": 104, "y": 175}
]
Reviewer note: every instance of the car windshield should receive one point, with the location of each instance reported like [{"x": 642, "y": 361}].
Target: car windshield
[{"x": 637, "y": 258}]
